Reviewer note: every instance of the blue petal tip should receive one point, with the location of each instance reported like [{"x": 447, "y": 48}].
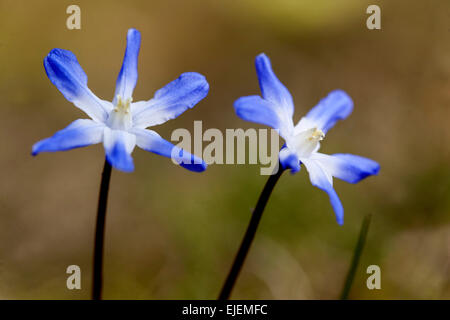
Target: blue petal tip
[{"x": 195, "y": 167}]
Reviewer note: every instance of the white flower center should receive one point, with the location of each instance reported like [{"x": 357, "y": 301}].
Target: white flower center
[
  {"x": 120, "y": 116},
  {"x": 306, "y": 142}
]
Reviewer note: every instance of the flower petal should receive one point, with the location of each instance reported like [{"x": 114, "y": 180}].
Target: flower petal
[
  {"x": 126, "y": 81},
  {"x": 321, "y": 179},
  {"x": 348, "y": 167},
  {"x": 336, "y": 106},
  {"x": 151, "y": 141},
  {"x": 289, "y": 159},
  {"x": 119, "y": 145},
  {"x": 66, "y": 74},
  {"x": 272, "y": 89},
  {"x": 256, "y": 109},
  {"x": 80, "y": 133},
  {"x": 170, "y": 101}
]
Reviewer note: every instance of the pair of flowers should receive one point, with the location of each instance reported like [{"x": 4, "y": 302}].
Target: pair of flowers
[{"x": 122, "y": 124}]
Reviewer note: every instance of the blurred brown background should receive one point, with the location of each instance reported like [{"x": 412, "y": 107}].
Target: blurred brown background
[{"x": 172, "y": 234}]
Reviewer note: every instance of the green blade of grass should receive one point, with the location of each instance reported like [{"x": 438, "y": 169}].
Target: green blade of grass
[{"x": 356, "y": 256}]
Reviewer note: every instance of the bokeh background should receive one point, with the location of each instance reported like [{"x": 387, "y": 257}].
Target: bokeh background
[{"x": 172, "y": 234}]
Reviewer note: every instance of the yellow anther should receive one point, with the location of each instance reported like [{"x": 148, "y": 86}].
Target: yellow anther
[
  {"x": 120, "y": 117},
  {"x": 317, "y": 135},
  {"x": 123, "y": 105}
]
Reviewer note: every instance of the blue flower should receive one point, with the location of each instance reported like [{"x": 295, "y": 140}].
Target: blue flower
[
  {"x": 121, "y": 124},
  {"x": 275, "y": 108}
]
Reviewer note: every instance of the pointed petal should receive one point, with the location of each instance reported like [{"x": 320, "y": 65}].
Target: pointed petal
[
  {"x": 151, "y": 141},
  {"x": 255, "y": 109},
  {"x": 66, "y": 74},
  {"x": 118, "y": 146},
  {"x": 321, "y": 179},
  {"x": 289, "y": 159},
  {"x": 336, "y": 106},
  {"x": 272, "y": 89},
  {"x": 80, "y": 133},
  {"x": 348, "y": 167},
  {"x": 126, "y": 81},
  {"x": 170, "y": 101}
]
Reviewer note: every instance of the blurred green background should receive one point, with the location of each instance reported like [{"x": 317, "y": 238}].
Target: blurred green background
[{"x": 172, "y": 234}]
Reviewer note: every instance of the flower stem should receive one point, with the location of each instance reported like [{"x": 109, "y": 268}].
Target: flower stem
[
  {"x": 249, "y": 235},
  {"x": 356, "y": 256},
  {"x": 97, "y": 280}
]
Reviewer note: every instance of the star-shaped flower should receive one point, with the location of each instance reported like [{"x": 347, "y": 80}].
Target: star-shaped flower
[
  {"x": 121, "y": 124},
  {"x": 275, "y": 108}
]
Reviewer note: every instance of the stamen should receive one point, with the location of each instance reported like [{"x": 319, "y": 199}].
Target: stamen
[
  {"x": 317, "y": 135},
  {"x": 123, "y": 105},
  {"x": 120, "y": 118},
  {"x": 307, "y": 141}
]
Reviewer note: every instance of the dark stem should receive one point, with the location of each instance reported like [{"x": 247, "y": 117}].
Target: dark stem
[
  {"x": 97, "y": 280},
  {"x": 249, "y": 235},
  {"x": 356, "y": 256}
]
